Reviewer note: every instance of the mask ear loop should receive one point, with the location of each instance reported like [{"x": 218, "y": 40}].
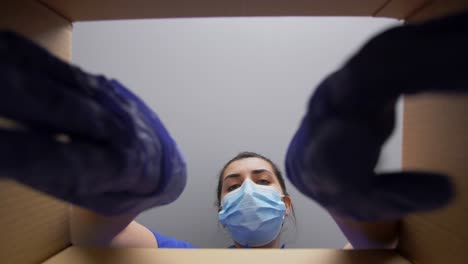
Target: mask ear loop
[
  {"x": 286, "y": 214},
  {"x": 282, "y": 196}
]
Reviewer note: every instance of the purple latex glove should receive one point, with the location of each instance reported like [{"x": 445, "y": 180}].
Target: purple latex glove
[
  {"x": 120, "y": 158},
  {"x": 332, "y": 156}
]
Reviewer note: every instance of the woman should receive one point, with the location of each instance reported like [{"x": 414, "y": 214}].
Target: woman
[
  {"x": 248, "y": 181},
  {"x": 119, "y": 152}
]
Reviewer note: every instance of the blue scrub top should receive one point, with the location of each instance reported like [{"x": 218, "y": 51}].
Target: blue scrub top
[{"x": 170, "y": 242}]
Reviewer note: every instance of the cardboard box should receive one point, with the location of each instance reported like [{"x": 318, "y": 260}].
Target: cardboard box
[{"x": 34, "y": 227}]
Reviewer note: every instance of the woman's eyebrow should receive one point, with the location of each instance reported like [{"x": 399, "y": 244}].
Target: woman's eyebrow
[
  {"x": 260, "y": 171},
  {"x": 231, "y": 176},
  {"x": 237, "y": 175}
]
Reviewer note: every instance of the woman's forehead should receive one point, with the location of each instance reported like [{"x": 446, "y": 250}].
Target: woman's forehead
[{"x": 246, "y": 165}]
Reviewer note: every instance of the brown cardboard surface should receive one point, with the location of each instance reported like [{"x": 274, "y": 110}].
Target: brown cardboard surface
[
  {"x": 78, "y": 255},
  {"x": 125, "y": 9},
  {"x": 401, "y": 9},
  {"x": 435, "y": 137},
  {"x": 39, "y": 23},
  {"x": 33, "y": 226}
]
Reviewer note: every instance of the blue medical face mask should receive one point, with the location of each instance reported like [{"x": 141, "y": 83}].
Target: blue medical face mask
[{"x": 253, "y": 214}]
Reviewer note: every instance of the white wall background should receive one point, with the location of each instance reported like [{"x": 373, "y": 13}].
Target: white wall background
[{"x": 225, "y": 85}]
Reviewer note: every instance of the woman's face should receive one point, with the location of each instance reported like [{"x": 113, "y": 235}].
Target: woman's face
[{"x": 257, "y": 170}]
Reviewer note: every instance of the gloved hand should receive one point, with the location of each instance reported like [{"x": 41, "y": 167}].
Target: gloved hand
[
  {"x": 119, "y": 159},
  {"x": 332, "y": 156}
]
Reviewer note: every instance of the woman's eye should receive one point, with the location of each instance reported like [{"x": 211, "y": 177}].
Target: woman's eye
[
  {"x": 263, "y": 182},
  {"x": 233, "y": 187}
]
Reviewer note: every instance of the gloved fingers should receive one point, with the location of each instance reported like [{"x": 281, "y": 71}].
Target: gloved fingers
[
  {"x": 411, "y": 192},
  {"x": 92, "y": 175},
  {"x": 294, "y": 161},
  {"x": 332, "y": 156},
  {"x": 21, "y": 52},
  {"x": 41, "y": 103},
  {"x": 336, "y": 169},
  {"x": 61, "y": 168},
  {"x": 323, "y": 162},
  {"x": 392, "y": 196},
  {"x": 120, "y": 158},
  {"x": 412, "y": 58},
  {"x": 334, "y": 153},
  {"x": 334, "y": 100}
]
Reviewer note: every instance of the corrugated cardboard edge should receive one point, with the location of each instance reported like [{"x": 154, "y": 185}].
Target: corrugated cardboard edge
[
  {"x": 401, "y": 9},
  {"x": 86, "y": 10},
  {"x": 76, "y": 255},
  {"x": 435, "y": 138},
  {"x": 34, "y": 226}
]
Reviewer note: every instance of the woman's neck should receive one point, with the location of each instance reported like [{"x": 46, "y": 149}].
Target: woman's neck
[{"x": 273, "y": 244}]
